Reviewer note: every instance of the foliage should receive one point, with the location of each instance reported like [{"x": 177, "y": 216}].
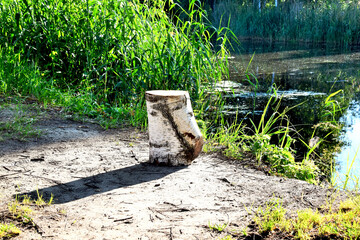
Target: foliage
[
  {"x": 331, "y": 107},
  {"x": 273, "y": 214},
  {"x": 234, "y": 140},
  {"x": 20, "y": 210},
  {"x": 97, "y": 59},
  {"x": 228, "y": 237},
  {"x": 103, "y": 55},
  {"x": 218, "y": 227},
  {"x": 20, "y": 124},
  {"x": 20, "y": 213},
  {"x": 227, "y": 138},
  {"x": 335, "y": 22},
  {"x": 343, "y": 223},
  {"x": 324, "y": 143},
  {"x": 8, "y": 231},
  {"x": 280, "y": 157}
]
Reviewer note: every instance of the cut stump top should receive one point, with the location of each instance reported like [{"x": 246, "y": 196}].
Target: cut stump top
[
  {"x": 170, "y": 95},
  {"x": 167, "y": 93}
]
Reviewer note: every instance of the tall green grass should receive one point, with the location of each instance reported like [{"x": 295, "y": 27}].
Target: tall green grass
[
  {"x": 336, "y": 22},
  {"x": 108, "y": 51},
  {"x": 268, "y": 140}
]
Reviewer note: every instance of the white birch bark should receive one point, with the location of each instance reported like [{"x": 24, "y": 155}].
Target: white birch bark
[{"x": 174, "y": 136}]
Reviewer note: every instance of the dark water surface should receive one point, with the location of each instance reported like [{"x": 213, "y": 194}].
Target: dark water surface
[{"x": 305, "y": 75}]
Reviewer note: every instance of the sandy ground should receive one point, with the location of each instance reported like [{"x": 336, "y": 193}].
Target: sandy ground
[{"x": 104, "y": 189}]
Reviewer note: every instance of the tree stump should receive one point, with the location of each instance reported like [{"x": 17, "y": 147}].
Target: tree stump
[{"x": 174, "y": 137}]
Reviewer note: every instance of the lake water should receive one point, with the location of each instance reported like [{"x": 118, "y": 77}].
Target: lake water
[
  {"x": 351, "y": 138},
  {"x": 304, "y": 75}
]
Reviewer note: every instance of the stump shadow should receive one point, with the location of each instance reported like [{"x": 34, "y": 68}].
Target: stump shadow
[{"x": 104, "y": 182}]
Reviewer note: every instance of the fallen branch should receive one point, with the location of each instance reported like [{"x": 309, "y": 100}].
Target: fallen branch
[
  {"x": 11, "y": 174},
  {"x": 126, "y": 220}
]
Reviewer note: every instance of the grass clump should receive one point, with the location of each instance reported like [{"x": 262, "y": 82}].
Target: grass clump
[
  {"x": 20, "y": 214},
  {"x": 20, "y": 207},
  {"x": 343, "y": 223},
  {"x": 20, "y": 210},
  {"x": 20, "y": 122},
  {"x": 273, "y": 214},
  {"x": 269, "y": 142},
  {"x": 8, "y": 231},
  {"x": 226, "y": 139},
  {"x": 228, "y": 237},
  {"x": 280, "y": 157},
  {"x": 218, "y": 227}
]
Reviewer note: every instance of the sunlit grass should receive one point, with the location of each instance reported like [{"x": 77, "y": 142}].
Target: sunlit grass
[
  {"x": 235, "y": 140},
  {"x": 8, "y": 231},
  {"x": 20, "y": 213},
  {"x": 343, "y": 223},
  {"x": 20, "y": 124},
  {"x": 101, "y": 56}
]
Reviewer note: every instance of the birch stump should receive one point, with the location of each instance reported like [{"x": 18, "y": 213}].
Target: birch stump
[{"x": 174, "y": 137}]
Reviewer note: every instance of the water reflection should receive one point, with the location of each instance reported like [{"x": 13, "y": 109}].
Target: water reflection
[
  {"x": 296, "y": 69},
  {"x": 304, "y": 76},
  {"x": 351, "y": 139}
]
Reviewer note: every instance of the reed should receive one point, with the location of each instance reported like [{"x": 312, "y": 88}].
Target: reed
[
  {"x": 268, "y": 141},
  {"x": 335, "y": 22},
  {"x": 110, "y": 51}
]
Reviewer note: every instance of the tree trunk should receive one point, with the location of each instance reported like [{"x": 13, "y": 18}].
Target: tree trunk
[{"x": 174, "y": 137}]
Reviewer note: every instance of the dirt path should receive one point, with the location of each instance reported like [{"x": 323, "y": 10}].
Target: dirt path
[{"x": 104, "y": 189}]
